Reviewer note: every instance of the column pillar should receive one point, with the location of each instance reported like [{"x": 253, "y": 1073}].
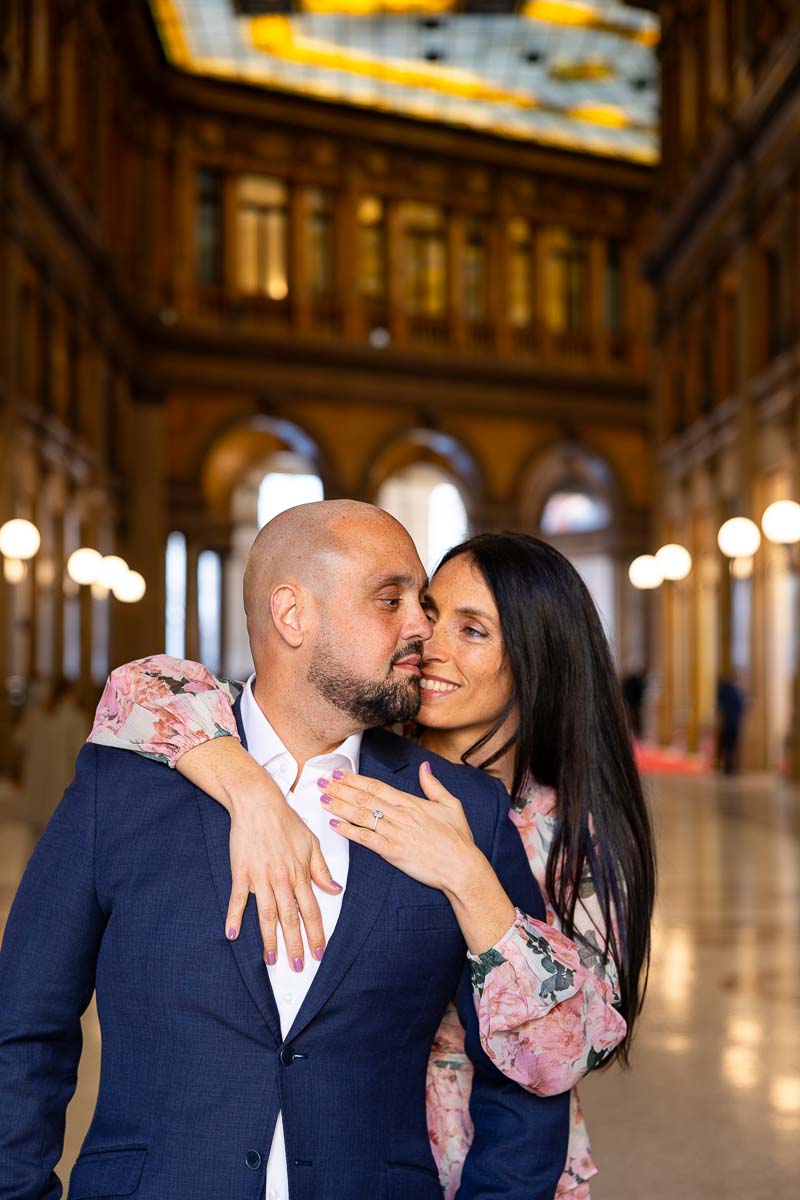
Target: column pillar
[
  {"x": 597, "y": 316},
  {"x": 347, "y": 264},
  {"x": 192, "y": 607},
  {"x": 544, "y": 336},
  {"x": 299, "y": 270},
  {"x": 456, "y": 224},
  {"x": 498, "y": 260},
  {"x": 138, "y": 627},
  {"x": 395, "y": 292}
]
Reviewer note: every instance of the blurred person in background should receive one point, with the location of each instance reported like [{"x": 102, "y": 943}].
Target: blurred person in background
[
  {"x": 634, "y": 686},
  {"x": 730, "y": 710}
]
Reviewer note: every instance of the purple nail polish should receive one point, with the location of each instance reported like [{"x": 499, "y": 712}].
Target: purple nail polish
[
  {"x": 335, "y": 884},
  {"x": 338, "y": 774},
  {"x": 326, "y": 799},
  {"x": 323, "y": 783},
  {"x": 272, "y": 958},
  {"x": 334, "y": 822},
  {"x": 231, "y": 934},
  {"x": 426, "y": 766},
  {"x": 297, "y": 963},
  {"x": 319, "y": 953}
]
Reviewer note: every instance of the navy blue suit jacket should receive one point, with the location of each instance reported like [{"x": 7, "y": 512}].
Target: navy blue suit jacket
[{"x": 126, "y": 894}]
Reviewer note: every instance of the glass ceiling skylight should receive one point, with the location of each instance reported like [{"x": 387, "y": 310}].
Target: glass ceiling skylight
[{"x": 580, "y": 76}]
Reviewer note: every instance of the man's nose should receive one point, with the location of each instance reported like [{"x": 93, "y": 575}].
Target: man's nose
[{"x": 417, "y": 626}]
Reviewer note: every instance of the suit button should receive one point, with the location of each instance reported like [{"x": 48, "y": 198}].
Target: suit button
[
  {"x": 252, "y": 1160},
  {"x": 287, "y": 1056}
]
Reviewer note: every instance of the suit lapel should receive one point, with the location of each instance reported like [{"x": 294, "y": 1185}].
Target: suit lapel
[
  {"x": 368, "y": 881},
  {"x": 248, "y": 948}
]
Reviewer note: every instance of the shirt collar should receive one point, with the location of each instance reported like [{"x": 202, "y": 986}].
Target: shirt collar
[{"x": 268, "y": 749}]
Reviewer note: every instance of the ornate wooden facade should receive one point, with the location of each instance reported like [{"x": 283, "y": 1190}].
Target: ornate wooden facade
[
  {"x": 197, "y": 274},
  {"x": 725, "y": 266}
]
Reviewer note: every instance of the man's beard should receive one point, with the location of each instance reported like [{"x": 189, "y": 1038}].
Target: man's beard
[{"x": 368, "y": 702}]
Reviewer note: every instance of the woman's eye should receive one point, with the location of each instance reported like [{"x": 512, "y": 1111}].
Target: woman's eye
[
  {"x": 473, "y": 632},
  {"x": 429, "y": 617}
]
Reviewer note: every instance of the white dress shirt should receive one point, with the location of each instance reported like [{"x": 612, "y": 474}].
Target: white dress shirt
[{"x": 289, "y": 986}]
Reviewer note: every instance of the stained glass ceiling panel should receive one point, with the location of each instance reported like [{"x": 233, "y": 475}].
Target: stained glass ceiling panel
[{"x": 577, "y": 74}]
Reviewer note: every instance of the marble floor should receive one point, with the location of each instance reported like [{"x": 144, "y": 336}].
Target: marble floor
[{"x": 711, "y": 1107}]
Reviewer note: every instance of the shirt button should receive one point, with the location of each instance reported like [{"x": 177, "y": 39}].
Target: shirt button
[
  {"x": 252, "y": 1160},
  {"x": 289, "y": 997}
]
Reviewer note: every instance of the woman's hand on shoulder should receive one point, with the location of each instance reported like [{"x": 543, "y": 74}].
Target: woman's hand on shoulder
[
  {"x": 429, "y": 839},
  {"x": 273, "y": 853}
]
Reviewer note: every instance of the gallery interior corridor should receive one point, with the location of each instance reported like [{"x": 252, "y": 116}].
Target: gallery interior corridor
[{"x": 711, "y": 1108}]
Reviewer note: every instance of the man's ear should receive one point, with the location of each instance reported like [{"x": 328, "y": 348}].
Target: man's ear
[{"x": 285, "y": 604}]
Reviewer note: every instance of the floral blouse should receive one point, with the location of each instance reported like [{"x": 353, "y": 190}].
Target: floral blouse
[{"x": 548, "y": 1006}]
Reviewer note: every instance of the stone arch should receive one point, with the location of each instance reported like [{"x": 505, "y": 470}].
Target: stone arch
[
  {"x": 418, "y": 444},
  {"x": 239, "y": 451},
  {"x": 565, "y": 464}
]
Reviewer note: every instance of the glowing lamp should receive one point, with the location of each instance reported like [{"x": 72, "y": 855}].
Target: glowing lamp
[
  {"x": 675, "y": 561},
  {"x": 130, "y": 589},
  {"x": 645, "y": 573},
  {"x": 113, "y": 570},
  {"x": 84, "y": 565},
  {"x": 781, "y": 522},
  {"x": 739, "y": 538},
  {"x": 19, "y": 539}
]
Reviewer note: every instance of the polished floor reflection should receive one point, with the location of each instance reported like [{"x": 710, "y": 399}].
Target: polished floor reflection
[{"x": 711, "y": 1108}]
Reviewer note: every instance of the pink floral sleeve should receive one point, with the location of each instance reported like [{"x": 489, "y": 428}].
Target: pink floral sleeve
[
  {"x": 548, "y": 1006},
  {"x": 161, "y": 707}
]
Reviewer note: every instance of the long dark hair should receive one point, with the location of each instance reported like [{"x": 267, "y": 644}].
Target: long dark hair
[{"x": 572, "y": 736}]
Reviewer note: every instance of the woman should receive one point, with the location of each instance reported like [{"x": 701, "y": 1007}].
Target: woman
[{"x": 517, "y": 679}]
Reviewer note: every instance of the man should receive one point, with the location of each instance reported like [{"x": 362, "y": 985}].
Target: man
[{"x": 212, "y": 1085}]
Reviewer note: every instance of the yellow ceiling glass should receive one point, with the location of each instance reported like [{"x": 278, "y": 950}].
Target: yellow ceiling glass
[{"x": 565, "y": 73}]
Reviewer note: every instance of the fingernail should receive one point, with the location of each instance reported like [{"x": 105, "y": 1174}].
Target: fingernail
[
  {"x": 334, "y": 822},
  {"x": 326, "y": 799},
  {"x": 338, "y": 774},
  {"x": 272, "y": 958},
  {"x": 323, "y": 782},
  {"x": 335, "y": 884},
  {"x": 319, "y": 952},
  {"x": 297, "y": 963},
  {"x": 231, "y": 934},
  {"x": 426, "y": 766}
]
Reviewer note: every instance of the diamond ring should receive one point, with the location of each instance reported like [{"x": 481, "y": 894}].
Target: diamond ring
[{"x": 378, "y": 815}]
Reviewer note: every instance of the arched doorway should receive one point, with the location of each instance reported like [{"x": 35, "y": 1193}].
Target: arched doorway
[{"x": 427, "y": 501}]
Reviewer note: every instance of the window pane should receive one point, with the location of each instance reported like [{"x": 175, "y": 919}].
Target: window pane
[
  {"x": 262, "y": 237},
  {"x": 209, "y": 583},
  {"x": 428, "y": 504},
  {"x": 321, "y": 241},
  {"x": 565, "y": 299},
  {"x": 614, "y": 316},
  {"x": 574, "y": 512},
  {"x": 425, "y": 259},
  {"x": 371, "y": 248},
  {"x": 176, "y": 595},
  {"x": 475, "y": 272},
  {"x": 280, "y": 490},
  {"x": 520, "y": 273},
  {"x": 209, "y": 227}
]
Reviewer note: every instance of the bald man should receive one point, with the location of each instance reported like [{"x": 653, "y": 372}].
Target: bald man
[{"x": 222, "y": 1078}]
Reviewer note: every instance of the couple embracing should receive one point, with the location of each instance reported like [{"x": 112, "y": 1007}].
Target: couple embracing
[{"x": 432, "y": 955}]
